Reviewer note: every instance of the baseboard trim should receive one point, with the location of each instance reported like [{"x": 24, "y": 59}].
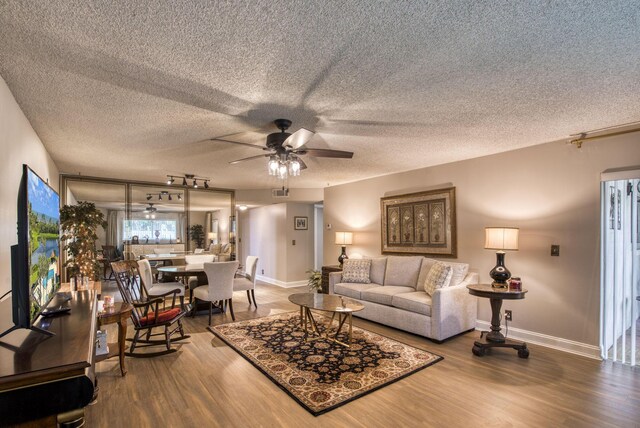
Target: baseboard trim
[
  {"x": 279, "y": 283},
  {"x": 558, "y": 343}
]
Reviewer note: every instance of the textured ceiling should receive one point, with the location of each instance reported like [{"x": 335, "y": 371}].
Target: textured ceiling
[{"x": 133, "y": 89}]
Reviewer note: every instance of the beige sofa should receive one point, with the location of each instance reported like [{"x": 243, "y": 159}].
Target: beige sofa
[
  {"x": 221, "y": 251},
  {"x": 396, "y": 297}
]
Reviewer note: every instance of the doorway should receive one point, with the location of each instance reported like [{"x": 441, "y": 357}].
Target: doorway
[{"x": 620, "y": 266}]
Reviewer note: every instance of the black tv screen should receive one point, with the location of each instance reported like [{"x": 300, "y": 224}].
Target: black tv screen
[{"x": 38, "y": 247}]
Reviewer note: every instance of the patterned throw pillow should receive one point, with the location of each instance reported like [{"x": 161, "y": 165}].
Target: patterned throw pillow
[
  {"x": 356, "y": 271},
  {"x": 439, "y": 276}
]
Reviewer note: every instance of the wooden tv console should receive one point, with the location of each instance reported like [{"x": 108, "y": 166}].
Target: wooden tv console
[{"x": 43, "y": 377}]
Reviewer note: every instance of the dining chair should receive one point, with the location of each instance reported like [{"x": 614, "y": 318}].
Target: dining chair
[
  {"x": 197, "y": 259},
  {"x": 220, "y": 288},
  {"x": 159, "y": 289},
  {"x": 247, "y": 280},
  {"x": 110, "y": 256}
]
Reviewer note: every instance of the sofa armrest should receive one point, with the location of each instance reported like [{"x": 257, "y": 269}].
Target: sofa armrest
[
  {"x": 334, "y": 278},
  {"x": 453, "y": 309}
]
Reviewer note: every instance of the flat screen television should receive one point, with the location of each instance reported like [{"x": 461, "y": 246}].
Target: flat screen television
[{"x": 35, "y": 261}]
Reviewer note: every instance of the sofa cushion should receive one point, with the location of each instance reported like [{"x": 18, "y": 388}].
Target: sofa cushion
[
  {"x": 352, "y": 290},
  {"x": 427, "y": 263},
  {"x": 384, "y": 294},
  {"x": 356, "y": 271},
  {"x": 417, "y": 301},
  {"x": 402, "y": 271},
  {"x": 459, "y": 272},
  {"x": 439, "y": 276},
  {"x": 378, "y": 267}
]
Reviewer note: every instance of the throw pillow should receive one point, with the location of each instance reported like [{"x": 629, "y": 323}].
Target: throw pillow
[
  {"x": 439, "y": 276},
  {"x": 356, "y": 271}
]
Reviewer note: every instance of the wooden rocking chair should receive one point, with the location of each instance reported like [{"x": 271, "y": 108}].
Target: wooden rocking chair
[{"x": 146, "y": 314}]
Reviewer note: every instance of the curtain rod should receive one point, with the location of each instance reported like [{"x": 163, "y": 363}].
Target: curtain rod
[{"x": 582, "y": 137}]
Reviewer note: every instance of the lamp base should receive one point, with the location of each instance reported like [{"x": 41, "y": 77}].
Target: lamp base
[
  {"x": 500, "y": 274},
  {"x": 343, "y": 256}
]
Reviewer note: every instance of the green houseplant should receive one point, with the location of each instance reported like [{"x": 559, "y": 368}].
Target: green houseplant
[
  {"x": 196, "y": 233},
  {"x": 79, "y": 224},
  {"x": 315, "y": 280}
]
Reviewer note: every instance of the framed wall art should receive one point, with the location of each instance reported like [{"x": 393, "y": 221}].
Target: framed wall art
[
  {"x": 420, "y": 223},
  {"x": 300, "y": 223}
]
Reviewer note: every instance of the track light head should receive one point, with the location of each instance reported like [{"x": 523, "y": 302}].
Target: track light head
[
  {"x": 149, "y": 197},
  {"x": 195, "y": 183},
  {"x": 170, "y": 180},
  {"x": 206, "y": 184},
  {"x": 170, "y": 198},
  {"x": 179, "y": 196},
  {"x": 184, "y": 181}
]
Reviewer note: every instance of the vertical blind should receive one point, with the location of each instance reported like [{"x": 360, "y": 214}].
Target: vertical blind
[{"x": 620, "y": 257}]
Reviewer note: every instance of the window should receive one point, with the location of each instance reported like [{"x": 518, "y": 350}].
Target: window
[{"x": 163, "y": 230}]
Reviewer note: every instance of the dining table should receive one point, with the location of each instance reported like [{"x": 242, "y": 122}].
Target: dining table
[{"x": 181, "y": 273}]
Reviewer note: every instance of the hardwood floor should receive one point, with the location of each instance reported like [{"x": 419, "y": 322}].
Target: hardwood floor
[{"x": 206, "y": 383}]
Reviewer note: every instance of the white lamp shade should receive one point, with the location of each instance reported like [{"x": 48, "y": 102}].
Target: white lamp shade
[
  {"x": 344, "y": 238},
  {"x": 501, "y": 238},
  {"x": 211, "y": 235}
]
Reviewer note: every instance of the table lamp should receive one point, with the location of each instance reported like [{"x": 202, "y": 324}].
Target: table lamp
[
  {"x": 344, "y": 239},
  {"x": 501, "y": 239},
  {"x": 212, "y": 237}
]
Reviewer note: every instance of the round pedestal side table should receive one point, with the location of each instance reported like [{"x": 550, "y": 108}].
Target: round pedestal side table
[{"x": 494, "y": 338}]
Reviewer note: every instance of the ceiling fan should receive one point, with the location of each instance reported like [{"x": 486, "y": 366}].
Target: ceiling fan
[{"x": 284, "y": 150}]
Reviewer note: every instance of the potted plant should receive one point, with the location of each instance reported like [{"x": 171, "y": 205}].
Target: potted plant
[
  {"x": 315, "y": 280},
  {"x": 196, "y": 233},
  {"x": 79, "y": 224}
]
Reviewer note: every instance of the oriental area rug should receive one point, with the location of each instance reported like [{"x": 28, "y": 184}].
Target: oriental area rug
[{"x": 321, "y": 374}]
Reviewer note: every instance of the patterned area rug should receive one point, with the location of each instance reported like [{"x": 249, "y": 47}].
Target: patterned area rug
[{"x": 320, "y": 374}]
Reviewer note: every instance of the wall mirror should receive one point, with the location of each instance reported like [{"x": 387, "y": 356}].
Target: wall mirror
[{"x": 211, "y": 210}]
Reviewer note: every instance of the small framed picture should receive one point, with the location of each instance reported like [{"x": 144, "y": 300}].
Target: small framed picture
[{"x": 300, "y": 223}]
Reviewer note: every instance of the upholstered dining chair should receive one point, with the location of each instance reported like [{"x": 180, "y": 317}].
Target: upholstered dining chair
[
  {"x": 220, "y": 288},
  {"x": 247, "y": 280},
  {"x": 159, "y": 289},
  {"x": 197, "y": 259},
  {"x": 147, "y": 315}
]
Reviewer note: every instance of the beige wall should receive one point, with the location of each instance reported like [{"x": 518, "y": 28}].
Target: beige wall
[
  {"x": 268, "y": 232},
  {"x": 18, "y": 144},
  {"x": 551, "y": 192},
  {"x": 300, "y": 255}
]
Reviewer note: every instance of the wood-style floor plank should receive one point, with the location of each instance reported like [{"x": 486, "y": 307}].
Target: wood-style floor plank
[{"x": 206, "y": 383}]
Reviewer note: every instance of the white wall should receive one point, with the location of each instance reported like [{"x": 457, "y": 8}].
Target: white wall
[
  {"x": 19, "y": 144},
  {"x": 551, "y": 192},
  {"x": 299, "y": 256}
]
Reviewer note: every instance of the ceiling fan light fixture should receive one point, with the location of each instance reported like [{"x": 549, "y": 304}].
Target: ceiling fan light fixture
[
  {"x": 273, "y": 165},
  {"x": 282, "y": 170},
  {"x": 294, "y": 167}
]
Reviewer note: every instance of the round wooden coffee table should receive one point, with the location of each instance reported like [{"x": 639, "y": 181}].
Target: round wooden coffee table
[{"x": 342, "y": 306}]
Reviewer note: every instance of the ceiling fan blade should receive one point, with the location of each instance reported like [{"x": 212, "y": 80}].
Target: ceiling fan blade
[
  {"x": 242, "y": 144},
  {"x": 298, "y": 138},
  {"x": 249, "y": 158},
  {"x": 326, "y": 153},
  {"x": 302, "y": 164}
]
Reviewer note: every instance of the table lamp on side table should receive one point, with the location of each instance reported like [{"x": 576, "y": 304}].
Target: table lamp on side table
[
  {"x": 344, "y": 239},
  {"x": 501, "y": 238}
]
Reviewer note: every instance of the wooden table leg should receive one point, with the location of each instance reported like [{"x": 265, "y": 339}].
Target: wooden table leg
[{"x": 122, "y": 339}]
